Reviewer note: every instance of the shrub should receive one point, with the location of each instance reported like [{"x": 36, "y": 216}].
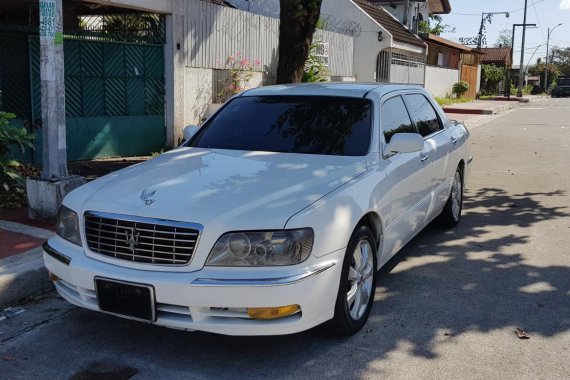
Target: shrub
[
  {"x": 460, "y": 88},
  {"x": 315, "y": 69},
  {"x": 240, "y": 71},
  {"x": 11, "y": 181}
]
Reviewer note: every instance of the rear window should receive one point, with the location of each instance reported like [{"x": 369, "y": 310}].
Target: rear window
[{"x": 323, "y": 125}]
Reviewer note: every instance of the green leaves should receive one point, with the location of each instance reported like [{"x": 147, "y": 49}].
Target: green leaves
[{"x": 11, "y": 181}]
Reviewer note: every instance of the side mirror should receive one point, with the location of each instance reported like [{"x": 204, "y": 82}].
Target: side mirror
[
  {"x": 405, "y": 143},
  {"x": 189, "y": 131}
]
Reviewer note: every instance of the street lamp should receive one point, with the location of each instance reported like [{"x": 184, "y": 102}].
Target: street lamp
[
  {"x": 546, "y": 67},
  {"x": 489, "y": 15}
]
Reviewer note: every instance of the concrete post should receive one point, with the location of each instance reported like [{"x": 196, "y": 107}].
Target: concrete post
[
  {"x": 53, "y": 90},
  {"x": 45, "y": 194}
]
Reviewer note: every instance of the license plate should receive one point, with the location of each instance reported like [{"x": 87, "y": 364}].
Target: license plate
[{"x": 126, "y": 299}]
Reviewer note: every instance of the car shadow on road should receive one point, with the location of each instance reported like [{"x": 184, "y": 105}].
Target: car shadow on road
[{"x": 473, "y": 279}]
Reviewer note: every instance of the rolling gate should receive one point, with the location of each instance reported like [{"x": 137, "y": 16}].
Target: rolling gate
[{"x": 114, "y": 84}]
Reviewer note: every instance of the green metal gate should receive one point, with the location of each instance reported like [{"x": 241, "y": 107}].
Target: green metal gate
[
  {"x": 114, "y": 78},
  {"x": 114, "y": 98}
]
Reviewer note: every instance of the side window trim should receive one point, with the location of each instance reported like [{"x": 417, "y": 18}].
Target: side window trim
[{"x": 439, "y": 119}]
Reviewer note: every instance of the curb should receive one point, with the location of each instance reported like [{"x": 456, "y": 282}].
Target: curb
[
  {"x": 23, "y": 275},
  {"x": 482, "y": 111}
]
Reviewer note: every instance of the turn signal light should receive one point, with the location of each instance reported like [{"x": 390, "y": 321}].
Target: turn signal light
[
  {"x": 272, "y": 312},
  {"x": 53, "y": 277}
]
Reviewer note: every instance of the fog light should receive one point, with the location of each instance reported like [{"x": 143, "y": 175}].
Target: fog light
[
  {"x": 53, "y": 277},
  {"x": 272, "y": 312}
]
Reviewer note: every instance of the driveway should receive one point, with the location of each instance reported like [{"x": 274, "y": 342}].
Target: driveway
[{"x": 446, "y": 307}]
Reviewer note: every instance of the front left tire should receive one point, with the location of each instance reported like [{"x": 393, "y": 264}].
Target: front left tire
[{"x": 357, "y": 283}]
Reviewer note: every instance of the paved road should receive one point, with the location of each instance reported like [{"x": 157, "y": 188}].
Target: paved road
[{"x": 446, "y": 307}]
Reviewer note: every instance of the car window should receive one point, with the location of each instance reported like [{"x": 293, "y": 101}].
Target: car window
[
  {"x": 424, "y": 114},
  {"x": 395, "y": 118},
  {"x": 326, "y": 125}
]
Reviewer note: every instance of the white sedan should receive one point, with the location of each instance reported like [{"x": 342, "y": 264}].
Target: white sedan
[{"x": 272, "y": 218}]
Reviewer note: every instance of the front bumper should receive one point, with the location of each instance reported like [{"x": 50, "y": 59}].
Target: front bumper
[{"x": 212, "y": 299}]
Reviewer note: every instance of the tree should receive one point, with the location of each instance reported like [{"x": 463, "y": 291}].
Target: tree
[
  {"x": 298, "y": 21},
  {"x": 561, "y": 59},
  {"x": 492, "y": 75},
  {"x": 504, "y": 39},
  {"x": 437, "y": 29}
]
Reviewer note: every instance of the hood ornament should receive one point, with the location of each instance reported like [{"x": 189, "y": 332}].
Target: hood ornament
[{"x": 146, "y": 197}]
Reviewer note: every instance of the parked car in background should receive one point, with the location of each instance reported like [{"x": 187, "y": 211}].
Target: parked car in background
[
  {"x": 272, "y": 218},
  {"x": 562, "y": 88}
]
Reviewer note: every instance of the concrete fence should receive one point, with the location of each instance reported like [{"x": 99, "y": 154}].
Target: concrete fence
[{"x": 439, "y": 80}]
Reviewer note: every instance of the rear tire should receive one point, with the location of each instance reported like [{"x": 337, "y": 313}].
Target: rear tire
[
  {"x": 357, "y": 284},
  {"x": 451, "y": 213}
]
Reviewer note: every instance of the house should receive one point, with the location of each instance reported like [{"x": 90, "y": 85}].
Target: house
[
  {"x": 449, "y": 62},
  {"x": 411, "y": 12},
  {"x": 384, "y": 50}
]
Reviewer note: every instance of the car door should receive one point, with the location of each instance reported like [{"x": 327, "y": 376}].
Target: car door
[
  {"x": 409, "y": 175},
  {"x": 436, "y": 148}
]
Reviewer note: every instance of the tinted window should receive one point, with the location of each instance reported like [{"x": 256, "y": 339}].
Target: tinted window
[
  {"x": 564, "y": 82},
  {"x": 424, "y": 115},
  {"x": 395, "y": 118},
  {"x": 292, "y": 124}
]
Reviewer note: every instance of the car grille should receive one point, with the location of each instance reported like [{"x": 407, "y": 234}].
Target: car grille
[{"x": 141, "y": 240}]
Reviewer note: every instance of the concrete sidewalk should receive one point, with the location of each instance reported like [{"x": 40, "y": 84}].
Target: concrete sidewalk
[
  {"x": 490, "y": 107},
  {"x": 22, "y": 272}
]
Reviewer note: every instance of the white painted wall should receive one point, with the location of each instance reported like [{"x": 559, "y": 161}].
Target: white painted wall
[
  {"x": 366, "y": 45},
  {"x": 415, "y": 9},
  {"x": 478, "y": 78},
  {"x": 439, "y": 81}
]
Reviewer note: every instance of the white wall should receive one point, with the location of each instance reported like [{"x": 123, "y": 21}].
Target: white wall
[
  {"x": 439, "y": 81},
  {"x": 366, "y": 45}
]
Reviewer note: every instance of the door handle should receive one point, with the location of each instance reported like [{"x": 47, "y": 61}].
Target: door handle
[
  {"x": 454, "y": 140},
  {"x": 423, "y": 157}
]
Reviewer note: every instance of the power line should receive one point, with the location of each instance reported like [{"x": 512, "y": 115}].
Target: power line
[
  {"x": 479, "y": 14},
  {"x": 538, "y": 20}
]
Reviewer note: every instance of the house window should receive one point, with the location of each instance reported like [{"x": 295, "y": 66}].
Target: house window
[{"x": 440, "y": 59}]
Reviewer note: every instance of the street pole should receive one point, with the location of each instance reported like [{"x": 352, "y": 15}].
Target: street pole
[
  {"x": 54, "y": 152},
  {"x": 45, "y": 194},
  {"x": 546, "y": 67},
  {"x": 521, "y": 69}
]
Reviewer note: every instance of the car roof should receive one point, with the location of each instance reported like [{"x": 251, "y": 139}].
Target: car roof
[{"x": 350, "y": 89}]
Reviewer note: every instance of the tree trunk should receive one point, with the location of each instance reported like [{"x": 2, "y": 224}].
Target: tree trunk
[{"x": 298, "y": 21}]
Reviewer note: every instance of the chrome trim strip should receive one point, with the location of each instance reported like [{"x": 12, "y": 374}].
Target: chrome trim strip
[
  {"x": 147, "y": 220},
  {"x": 276, "y": 281},
  {"x": 469, "y": 160}
]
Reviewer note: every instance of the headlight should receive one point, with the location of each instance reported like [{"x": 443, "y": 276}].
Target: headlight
[
  {"x": 262, "y": 248},
  {"x": 68, "y": 225}
]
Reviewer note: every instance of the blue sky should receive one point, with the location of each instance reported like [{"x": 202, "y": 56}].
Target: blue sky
[{"x": 466, "y": 18}]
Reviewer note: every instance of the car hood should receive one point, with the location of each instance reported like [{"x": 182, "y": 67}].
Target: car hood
[{"x": 234, "y": 190}]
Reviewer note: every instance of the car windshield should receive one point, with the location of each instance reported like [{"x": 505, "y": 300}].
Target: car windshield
[
  {"x": 564, "y": 82},
  {"x": 292, "y": 124}
]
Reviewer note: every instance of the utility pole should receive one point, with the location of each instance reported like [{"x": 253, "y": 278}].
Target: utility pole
[
  {"x": 46, "y": 193},
  {"x": 521, "y": 69},
  {"x": 54, "y": 155},
  {"x": 546, "y": 67},
  {"x": 508, "y": 89}
]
